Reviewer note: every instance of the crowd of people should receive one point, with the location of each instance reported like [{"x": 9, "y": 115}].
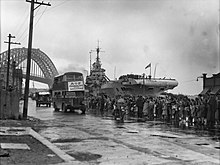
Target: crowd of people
[{"x": 201, "y": 111}]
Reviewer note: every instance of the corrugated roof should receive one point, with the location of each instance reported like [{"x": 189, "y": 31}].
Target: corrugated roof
[
  {"x": 205, "y": 90},
  {"x": 215, "y": 90}
]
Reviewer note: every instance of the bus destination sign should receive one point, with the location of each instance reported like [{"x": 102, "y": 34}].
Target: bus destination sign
[{"x": 75, "y": 86}]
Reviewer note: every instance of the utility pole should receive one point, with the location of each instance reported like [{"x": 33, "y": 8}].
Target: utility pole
[
  {"x": 13, "y": 73},
  {"x": 8, "y": 62},
  {"x": 26, "y": 91},
  {"x": 90, "y": 62}
]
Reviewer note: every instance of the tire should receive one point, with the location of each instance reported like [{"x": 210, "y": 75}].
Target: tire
[
  {"x": 83, "y": 112},
  {"x": 56, "y": 109},
  {"x": 64, "y": 108},
  {"x": 83, "y": 109}
]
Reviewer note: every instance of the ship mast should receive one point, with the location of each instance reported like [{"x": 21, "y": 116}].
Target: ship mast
[
  {"x": 97, "y": 74},
  {"x": 90, "y": 62},
  {"x": 98, "y": 51}
]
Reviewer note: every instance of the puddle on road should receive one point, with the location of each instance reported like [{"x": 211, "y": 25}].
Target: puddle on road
[
  {"x": 202, "y": 144},
  {"x": 163, "y": 136},
  {"x": 82, "y": 156},
  {"x": 120, "y": 127},
  {"x": 217, "y": 148},
  {"x": 74, "y": 140},
  {"x": 132, "y": 131}
]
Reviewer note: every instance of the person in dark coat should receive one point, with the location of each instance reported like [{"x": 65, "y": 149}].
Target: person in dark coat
[
  {"x": 211, "y": 112},
  {"x": 140, "y": 105},
  {"x": 217, "y": 114},
  {"x": 102, "y": 105}
]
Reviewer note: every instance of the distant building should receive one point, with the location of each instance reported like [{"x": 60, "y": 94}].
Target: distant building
[{"x": 211, "y": 85}]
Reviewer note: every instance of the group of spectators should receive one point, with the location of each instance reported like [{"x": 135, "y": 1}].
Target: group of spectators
[{"x": 201, "y": 111}]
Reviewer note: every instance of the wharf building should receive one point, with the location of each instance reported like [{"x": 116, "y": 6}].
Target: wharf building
[{"x": 211, "y": 85}]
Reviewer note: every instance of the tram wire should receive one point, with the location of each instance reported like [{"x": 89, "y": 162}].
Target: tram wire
[
  {"x": 22, "y": 24},
  {"x": 21, "y": 38}
]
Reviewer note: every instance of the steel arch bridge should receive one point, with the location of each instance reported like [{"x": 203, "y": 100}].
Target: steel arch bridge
[{"x": 42, "y": 68}]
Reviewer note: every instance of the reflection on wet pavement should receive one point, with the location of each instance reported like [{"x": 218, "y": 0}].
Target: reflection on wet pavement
[{"x": 99, "y": 140}]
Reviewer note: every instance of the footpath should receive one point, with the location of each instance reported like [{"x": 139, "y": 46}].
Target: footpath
[{"x": 22, "y": 145}]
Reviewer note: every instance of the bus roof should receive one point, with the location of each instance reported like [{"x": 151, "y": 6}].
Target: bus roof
[{"x": 68, "y": 73}]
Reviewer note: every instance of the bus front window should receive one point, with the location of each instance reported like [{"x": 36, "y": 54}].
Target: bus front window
[
  {"x": 71, "y": 78},
  {"x": 79, "y": 78}
]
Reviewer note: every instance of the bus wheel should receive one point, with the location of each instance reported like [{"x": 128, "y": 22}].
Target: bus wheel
[
  {"x": 64, "y": 108},
  {"x": 56, "y": 109},
  {"x": 83, "y": 111}
]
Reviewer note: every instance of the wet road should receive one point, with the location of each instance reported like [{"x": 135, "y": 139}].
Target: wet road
[{"x": 91, "y": 139}]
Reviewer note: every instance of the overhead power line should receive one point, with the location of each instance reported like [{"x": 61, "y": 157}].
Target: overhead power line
[
  {"x": 22, "y": 37},
  {"x": 24, "y": 33},
  {"x": 40, "y": 16},
  {"x": 58, "y": 5},
  {"x": 22, "y": 24}
]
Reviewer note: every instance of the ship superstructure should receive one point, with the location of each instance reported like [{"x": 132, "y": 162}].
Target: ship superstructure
[
  {"x": 131, "y": 84},
  {"x": 97, "y": 76}
]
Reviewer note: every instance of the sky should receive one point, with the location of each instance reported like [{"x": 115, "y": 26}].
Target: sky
[{"x": 180, "y": 38}]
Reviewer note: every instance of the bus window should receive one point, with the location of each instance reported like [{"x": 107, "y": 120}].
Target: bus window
[
  {"x": 70, "y": 77},
  {"x": 79, "y": 78},
  {"x": 80, "y": 94}
]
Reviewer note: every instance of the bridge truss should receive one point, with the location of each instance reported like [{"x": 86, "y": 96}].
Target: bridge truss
[{"x": 42, "y": 68}]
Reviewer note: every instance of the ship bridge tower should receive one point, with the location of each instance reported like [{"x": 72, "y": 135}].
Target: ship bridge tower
[{"x": 97, "y": 75}]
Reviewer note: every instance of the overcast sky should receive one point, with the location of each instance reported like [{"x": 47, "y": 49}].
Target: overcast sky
[{"x": 181, "y": 37}]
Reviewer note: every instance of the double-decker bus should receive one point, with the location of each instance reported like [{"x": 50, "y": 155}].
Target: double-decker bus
[{"x": 68, "y": 92}]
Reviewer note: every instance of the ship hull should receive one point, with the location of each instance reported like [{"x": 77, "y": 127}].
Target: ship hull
[{"x": 136, "y": 87}]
